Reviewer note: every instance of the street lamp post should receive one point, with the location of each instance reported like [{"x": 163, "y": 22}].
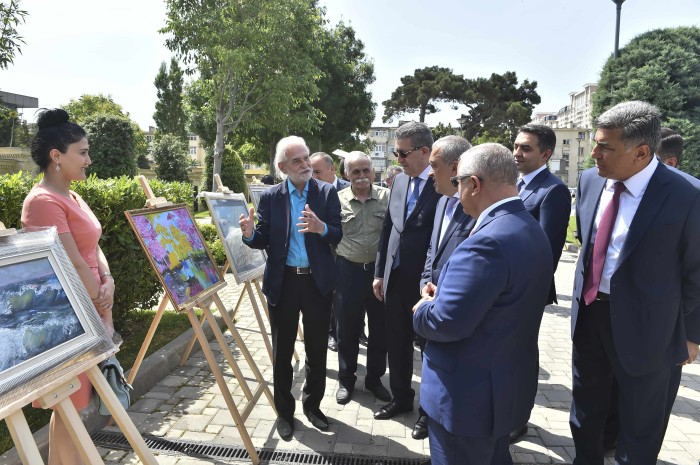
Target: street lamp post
[
  {"x": 617, "y": 27},
  {"x": 579, "y": 138},
  {"x": 462, "y": 122}
]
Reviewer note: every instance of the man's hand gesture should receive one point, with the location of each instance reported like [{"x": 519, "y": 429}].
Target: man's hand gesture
[
  {"x": 247, "y": 223},
  {"x": 309, "y": 222}
]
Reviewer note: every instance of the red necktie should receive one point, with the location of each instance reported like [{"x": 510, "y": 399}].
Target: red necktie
[{"x": 600, "y": 247}]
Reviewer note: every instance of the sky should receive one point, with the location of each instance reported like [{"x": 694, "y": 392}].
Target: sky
[{"x": 76, "y": 47}]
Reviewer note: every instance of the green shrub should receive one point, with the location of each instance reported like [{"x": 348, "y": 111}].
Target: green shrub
[
  {"x": 137, "y": 284},
  {"x": 232, "y": 172},
  {"x": 112, "y": 145},
  {"x": 211, "y": 237}
]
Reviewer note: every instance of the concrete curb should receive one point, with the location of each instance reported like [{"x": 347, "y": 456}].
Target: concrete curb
[{"x": 154, "y": 368}]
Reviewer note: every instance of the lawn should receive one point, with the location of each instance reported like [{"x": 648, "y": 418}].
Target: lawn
[{"x": 570, "y": 238}]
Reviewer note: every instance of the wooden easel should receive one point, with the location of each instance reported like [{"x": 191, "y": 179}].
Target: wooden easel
[
  {"x": 204, "y": 302},
  {"x": 57, "y": 394}
]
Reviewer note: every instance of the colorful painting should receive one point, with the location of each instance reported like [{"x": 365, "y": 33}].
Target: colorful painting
[
  {"x": 177, "y": 251},
  {"x": 35, "y": 313},
  {"x": 226, "y": 209}
]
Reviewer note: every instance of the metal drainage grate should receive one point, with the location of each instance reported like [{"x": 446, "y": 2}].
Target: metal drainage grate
[{"x": 114, "y": 440}]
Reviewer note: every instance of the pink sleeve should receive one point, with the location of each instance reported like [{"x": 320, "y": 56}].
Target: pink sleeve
[{"x": 44, "y": 210}]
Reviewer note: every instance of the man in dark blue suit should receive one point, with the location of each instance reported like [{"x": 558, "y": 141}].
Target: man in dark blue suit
[
  {"x": 545, "y": 196},
  {"x": 636, "y": 302},
  {"x": 403, "y": 243},
  {"x": 479, "y": 375},
  {"x": 298, "y": 222},
  {"x": 450, "y": 227}
]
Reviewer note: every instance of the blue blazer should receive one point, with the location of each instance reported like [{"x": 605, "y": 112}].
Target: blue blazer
[
  {"x": 341, "y": 184},
  {"x": 480, "y": 364},
  {"x": 272, "y": 235},
  {"x": 411, "y": 237},
  {"x": 548, "y": 199},
  {"x": 454, "y": 235},
  {"x": 655, "y": 290}
]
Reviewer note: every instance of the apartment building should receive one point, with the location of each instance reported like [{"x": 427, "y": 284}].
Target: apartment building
[
  {"x": 195, "y": 149},
  {"x": 572, "y": 148}
]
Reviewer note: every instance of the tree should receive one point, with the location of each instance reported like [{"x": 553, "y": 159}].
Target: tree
[
  {"x": 422, "y": 91},
  {"x": 10, "y": 18},
  {"x": 497, "y": 106},
  {"x": 87, "y": 106},
  {"x": 170, "y": 115},
  {"x": 232, "y": 172},
  {"x": 661, "y": 67},
  {"x": 112, "y": 145},
  {"x": 441, "y": 131},
  {"x": 170, "y": 155},
  {"x": 249, "y": 54}
]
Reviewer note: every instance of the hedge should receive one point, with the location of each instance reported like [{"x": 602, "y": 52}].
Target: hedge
[{"x": 137, "y": 285}]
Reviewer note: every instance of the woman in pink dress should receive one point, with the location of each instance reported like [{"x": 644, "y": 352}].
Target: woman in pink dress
[{"x": 60, "y": 149}]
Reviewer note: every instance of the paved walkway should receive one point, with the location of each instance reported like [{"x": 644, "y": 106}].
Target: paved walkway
[{"x": 187, "y": 404}]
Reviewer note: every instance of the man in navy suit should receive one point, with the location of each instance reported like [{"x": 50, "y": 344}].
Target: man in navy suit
[
  {"x": 450, "y": 227},
  {"x": 480, "y": 362},
  {"x": 403, "y": 243},
  {"x": 298, "y": 222},
  {"x": 545, "y": 196},
  {"x": 636, "y": 300}
]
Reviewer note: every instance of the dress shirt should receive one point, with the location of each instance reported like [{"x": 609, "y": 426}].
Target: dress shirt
[
  {"x": 362, "y": 224},
  {"x": 486, "y": 212},
  {"x": 527, "y": 178},
  {"x": 450, "y": 209},
  {"x": 635, "y": 186},
  {"x": 424, "y": 177}
]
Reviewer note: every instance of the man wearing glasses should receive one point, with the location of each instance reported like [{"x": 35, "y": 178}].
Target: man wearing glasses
[
  {"x": 401, "y": 257},
  {"x": 479, "y": 376}
]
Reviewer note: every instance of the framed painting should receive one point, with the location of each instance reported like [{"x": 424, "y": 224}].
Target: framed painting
[
  {"x": 47, "y": 319},
  {"x": 177, "y": 252},
  {"x": 255, "y": 190},
  {"x": 225, "y": 210}
]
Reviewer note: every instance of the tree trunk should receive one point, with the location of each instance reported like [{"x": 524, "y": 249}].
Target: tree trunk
[
  {"x": 218, "y": 147},
  {"x": 421, "y": 115},
  {"x": 272, "y": 158}
]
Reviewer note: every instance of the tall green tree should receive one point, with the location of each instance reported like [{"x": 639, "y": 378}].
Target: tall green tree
[
  {"x": 232, "y": 172},
  {"x": 420, "y": 92},
  {"x": 170, "y": 154},
  {"x": 170, "y": 114},
  {"x": 252, "y": 54},
  {"x": 661, "y": 67},
  {"x": 112, "y": 145},
  {"x": 497, "y": 107},
  {"x": 11, "y": 16}
]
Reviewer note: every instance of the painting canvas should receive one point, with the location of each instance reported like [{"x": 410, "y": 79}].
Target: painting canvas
[
  {"x": 177, "y": 252},
  {"x": 226, "y": 209},
  {"x": 47, "y": 320},
  {"x": 255, "y": 190}
]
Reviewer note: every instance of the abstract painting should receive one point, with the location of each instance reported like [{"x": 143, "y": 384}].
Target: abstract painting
[
  {"x": 226, "y": 209},
  {"x": 177, "y": 252}
]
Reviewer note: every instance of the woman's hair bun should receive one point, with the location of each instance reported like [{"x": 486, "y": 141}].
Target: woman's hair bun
[{"x": 52, "y": 117}]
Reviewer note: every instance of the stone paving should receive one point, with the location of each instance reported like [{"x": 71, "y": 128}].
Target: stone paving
[{"x": 187, "y": 404}]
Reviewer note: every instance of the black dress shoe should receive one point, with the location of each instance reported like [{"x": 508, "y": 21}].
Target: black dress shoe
[
  {"x": 363, "y": 340},
  {"x": 332, "y": 344},
  {"x": 380, "y": 392},
  {"x": 317, "y": 419},
  {"x": 517, "y": 434},
  {"x": 391, "y": 409},
  {"x": 343, "y": 395},
  {"x": 285, "y": 428},
  {"x": 420, "y": 429}
]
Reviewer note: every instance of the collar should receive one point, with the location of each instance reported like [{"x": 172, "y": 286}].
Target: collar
[
  {"x": 491, "y": 208},
  {"x": 335, "y": 180},
  {"x": 372, "y": 192},
  {"x": 530, "y": 176},
  {"x": 291, "y": 188},
  {"x": 637, "y": 184},
  {"x": 424, "y": 174}
]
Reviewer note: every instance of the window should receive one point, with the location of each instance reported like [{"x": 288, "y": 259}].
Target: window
[
  {"x": 379, "y": 165},
  {"x": 193, "y": 150},
  {"x": 193, "y": 136},
  {"x": 565, "y": 142}
]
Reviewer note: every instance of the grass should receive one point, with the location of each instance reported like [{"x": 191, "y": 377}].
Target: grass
[
  {"x": 570, "y": 238},
  {"x": 171, "y": 325},
  {"x": 202, "y": 214}
]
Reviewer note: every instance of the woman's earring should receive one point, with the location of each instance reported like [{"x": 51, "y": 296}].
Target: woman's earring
[{"x": 58, "y": 167}]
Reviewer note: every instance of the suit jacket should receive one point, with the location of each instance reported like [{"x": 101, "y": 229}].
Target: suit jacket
[
  {"x": 548, "y": 199},
  {"x": 341, "y": 184},
  {"x": 272, "y": 235},
  {"x": 480, "y": 364},
  {"x": 409, "y": 237},
  {"x": 655, "y": 289},
  {"x": 456, "y": 232}
]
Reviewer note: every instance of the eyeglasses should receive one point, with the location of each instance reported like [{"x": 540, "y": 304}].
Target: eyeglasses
[
  {"x": 404, "y": 153},
  {"x": 455, "y": 179}
]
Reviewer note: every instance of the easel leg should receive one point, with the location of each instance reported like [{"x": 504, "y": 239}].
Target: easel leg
[
  {"x": 23, "y": 439},
  {"x": 78, "y": 433},
  {"x": 147, "y": 340},
  {"x": 120, "y": 416},
  {"x": 267, "y": 314},
  {"x": 216, "y": 371},
  {"x": 258, "y": 317}
]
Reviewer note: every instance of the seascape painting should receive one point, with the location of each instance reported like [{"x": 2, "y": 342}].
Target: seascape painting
[
  {"x": 246, "y": 263},
  {"x": 176, "y": 250},
  {"x": 35, "y": 312}
]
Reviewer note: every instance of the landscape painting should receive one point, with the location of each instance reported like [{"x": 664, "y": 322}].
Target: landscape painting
[
  {"x": 226, "y": 209},
  {"x": 35, "y": 312},
  {"x": 177, "y": 251},
  {"x": 255, "y": 191}
]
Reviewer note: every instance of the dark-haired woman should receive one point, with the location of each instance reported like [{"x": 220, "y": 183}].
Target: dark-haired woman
[{"x": 60, "y": 149}]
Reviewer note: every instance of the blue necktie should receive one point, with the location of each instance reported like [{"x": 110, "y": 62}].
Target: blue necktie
[
  {"x": 414, "y": 196},
  {"x": 521, "y": 185}
]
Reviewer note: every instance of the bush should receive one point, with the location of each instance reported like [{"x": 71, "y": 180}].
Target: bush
[
  {"x": 137, "y": 284},
  {"x": 172, "y": 161},
  {"x": 112, "y": 145},
  {"x": 232, "y": 172},
  {"x": 211, "y": 237}
]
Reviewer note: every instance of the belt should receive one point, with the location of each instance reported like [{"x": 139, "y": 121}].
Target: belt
[
  {"x": 297, "y": 269},
  {"x": 602, "y": 296},
  {"x": 365, "y": 266}
]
